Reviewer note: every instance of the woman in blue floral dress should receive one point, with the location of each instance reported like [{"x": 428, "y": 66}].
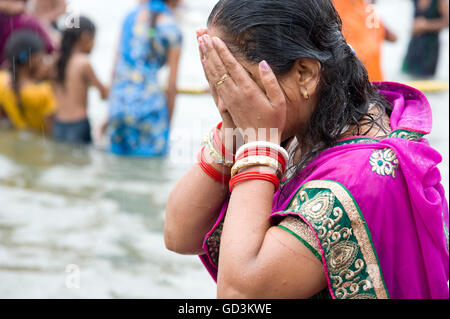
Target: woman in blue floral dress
[{"x": 140, "y": 111}]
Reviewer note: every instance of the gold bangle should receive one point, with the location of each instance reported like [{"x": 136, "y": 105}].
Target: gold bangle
[
  {"x": 258, "y": 160},
  {"x": 212, "y": 151}
]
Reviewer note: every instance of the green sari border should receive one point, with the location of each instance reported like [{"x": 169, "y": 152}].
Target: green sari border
[
  {"x": 358, "y": 224},
  {"x": 340, "y": 191},
  {"x": 303, "y": 241},
  {"x": 358, "y": 140},
  {"x": 407, "y": 135}
]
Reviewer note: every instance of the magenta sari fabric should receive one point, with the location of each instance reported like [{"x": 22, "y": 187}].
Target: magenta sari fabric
[{"x": 402, "y": 202}]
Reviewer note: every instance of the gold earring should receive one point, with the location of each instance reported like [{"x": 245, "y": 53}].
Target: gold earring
[{"x": 305, "y": 94}]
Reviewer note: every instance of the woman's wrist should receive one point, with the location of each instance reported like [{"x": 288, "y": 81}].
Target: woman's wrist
[
  {"x": 221, "y": 167},
  {"x": 229, "y": 138}
]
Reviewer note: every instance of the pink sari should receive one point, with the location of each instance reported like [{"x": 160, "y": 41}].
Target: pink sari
[{"x": 373, "y": 211}]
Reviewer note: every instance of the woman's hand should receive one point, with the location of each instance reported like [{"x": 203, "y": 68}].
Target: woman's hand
[
  {"x": 260, "y": 116},
  {"x": 228, "y": 128},
  {"x": 228, "y": 122}
]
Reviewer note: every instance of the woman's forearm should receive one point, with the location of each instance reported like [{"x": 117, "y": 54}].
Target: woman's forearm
[
  {"x": 173, "y": 62},
  {"x": 193, "y": 208},
  {"x": 245, "y": 228},
  {"x": 171, "y": 97},
  {"x": 436, "y": 25}
]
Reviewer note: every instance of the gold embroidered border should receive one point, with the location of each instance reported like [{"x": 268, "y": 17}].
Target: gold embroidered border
[
  {"x": 297, "y": 226},
  {"x": 360, "y": 231}
]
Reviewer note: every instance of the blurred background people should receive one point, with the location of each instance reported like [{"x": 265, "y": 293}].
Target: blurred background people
[
  {"x": 430, "y": 17},
  {"x": 26, "y": 100},
  {"x": 140, "y": 111},
  {"x": 74, "y": 77},
  {"x": 48, "y": 12},
  {"x": 14, "y": 18},
  {"x": 364, "y": 31}
]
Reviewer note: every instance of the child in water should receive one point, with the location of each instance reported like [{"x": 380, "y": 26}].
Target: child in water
[
  {"x": 75, "y": 76},
  {"x": 26, "y": 100}
]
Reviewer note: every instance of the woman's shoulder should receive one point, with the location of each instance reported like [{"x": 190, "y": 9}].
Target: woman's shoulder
[
  {"x": 364, "y": 161},
  {"x": 366, "y": 171}
]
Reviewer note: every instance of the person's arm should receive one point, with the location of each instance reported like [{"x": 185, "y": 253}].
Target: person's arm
[
  {"x": 12, "y": 7},
  {"x": 259, "y": 261},
  {"x": 59, "y": 7},
  {"x": 192, "y": 209},
  {"x": 423, "y": 25},
  {"x": 195, "y": 202},
  {"x": 390, "y": 36},
  {"x": 94, "y": 81},
  {"x": 173, "y": 62}
]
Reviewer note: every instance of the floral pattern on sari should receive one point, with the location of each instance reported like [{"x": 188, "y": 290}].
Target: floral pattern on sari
[
  {"x": 384, "y": 162},
  {"x": 346, "y": 248}
]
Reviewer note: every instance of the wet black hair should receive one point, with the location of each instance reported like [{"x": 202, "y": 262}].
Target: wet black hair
[
  {"x": 70, "y": 37},
  {"x": 21, "y": 45},
  {"x": 284, "y": 31},
  {"x": 19, "y": 48}
]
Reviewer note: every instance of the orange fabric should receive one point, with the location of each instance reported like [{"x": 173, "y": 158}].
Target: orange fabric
[{"x": 364, "y": 31}]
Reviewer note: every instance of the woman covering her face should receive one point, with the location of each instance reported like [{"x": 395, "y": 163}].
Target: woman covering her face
[{"x": 317, "y": 183}]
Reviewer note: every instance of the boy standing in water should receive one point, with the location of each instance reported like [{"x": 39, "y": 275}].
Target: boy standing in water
[{"x": 75, "y": 76}]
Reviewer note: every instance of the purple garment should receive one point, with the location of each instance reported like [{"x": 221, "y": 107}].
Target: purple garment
[
  {"x": 405, "y": 214},
  {"x": 9, "y": 24}
]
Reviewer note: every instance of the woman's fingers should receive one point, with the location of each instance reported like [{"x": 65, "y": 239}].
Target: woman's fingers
[
  {"x": 233, "y": 67},
  {"x": 269, "y": 81},
  {"x": 202, "y": 49},
  {"x": 201, "y": 31},
  {"x": 216, "y": 71}
]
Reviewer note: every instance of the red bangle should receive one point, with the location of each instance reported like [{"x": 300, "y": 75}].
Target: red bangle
[
  {"x": 254, "y": 176},
  {"x": 263, "y": 152},
  {"x": 219, "y": 144},
  {"x": 210, "y": 170}
]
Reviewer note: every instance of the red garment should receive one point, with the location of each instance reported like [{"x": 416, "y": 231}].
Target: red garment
[{"x": 10, "y": 24}]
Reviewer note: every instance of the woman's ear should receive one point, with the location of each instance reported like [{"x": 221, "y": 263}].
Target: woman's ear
[{"x": 308, "y": 71}]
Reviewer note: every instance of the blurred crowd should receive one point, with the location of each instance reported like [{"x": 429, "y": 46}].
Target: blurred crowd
[
  {"x": 45, "y": 71},
  {"x": 34, "y": 55}
]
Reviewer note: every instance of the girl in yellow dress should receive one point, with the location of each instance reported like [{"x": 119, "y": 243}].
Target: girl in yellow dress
[{"x": 27, "y": 102}]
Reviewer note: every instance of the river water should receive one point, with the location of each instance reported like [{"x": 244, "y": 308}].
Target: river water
[{"x": 79, "y": 223}]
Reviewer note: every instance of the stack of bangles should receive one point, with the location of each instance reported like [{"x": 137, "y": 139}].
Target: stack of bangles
[{"x": 255, "y": 154}]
